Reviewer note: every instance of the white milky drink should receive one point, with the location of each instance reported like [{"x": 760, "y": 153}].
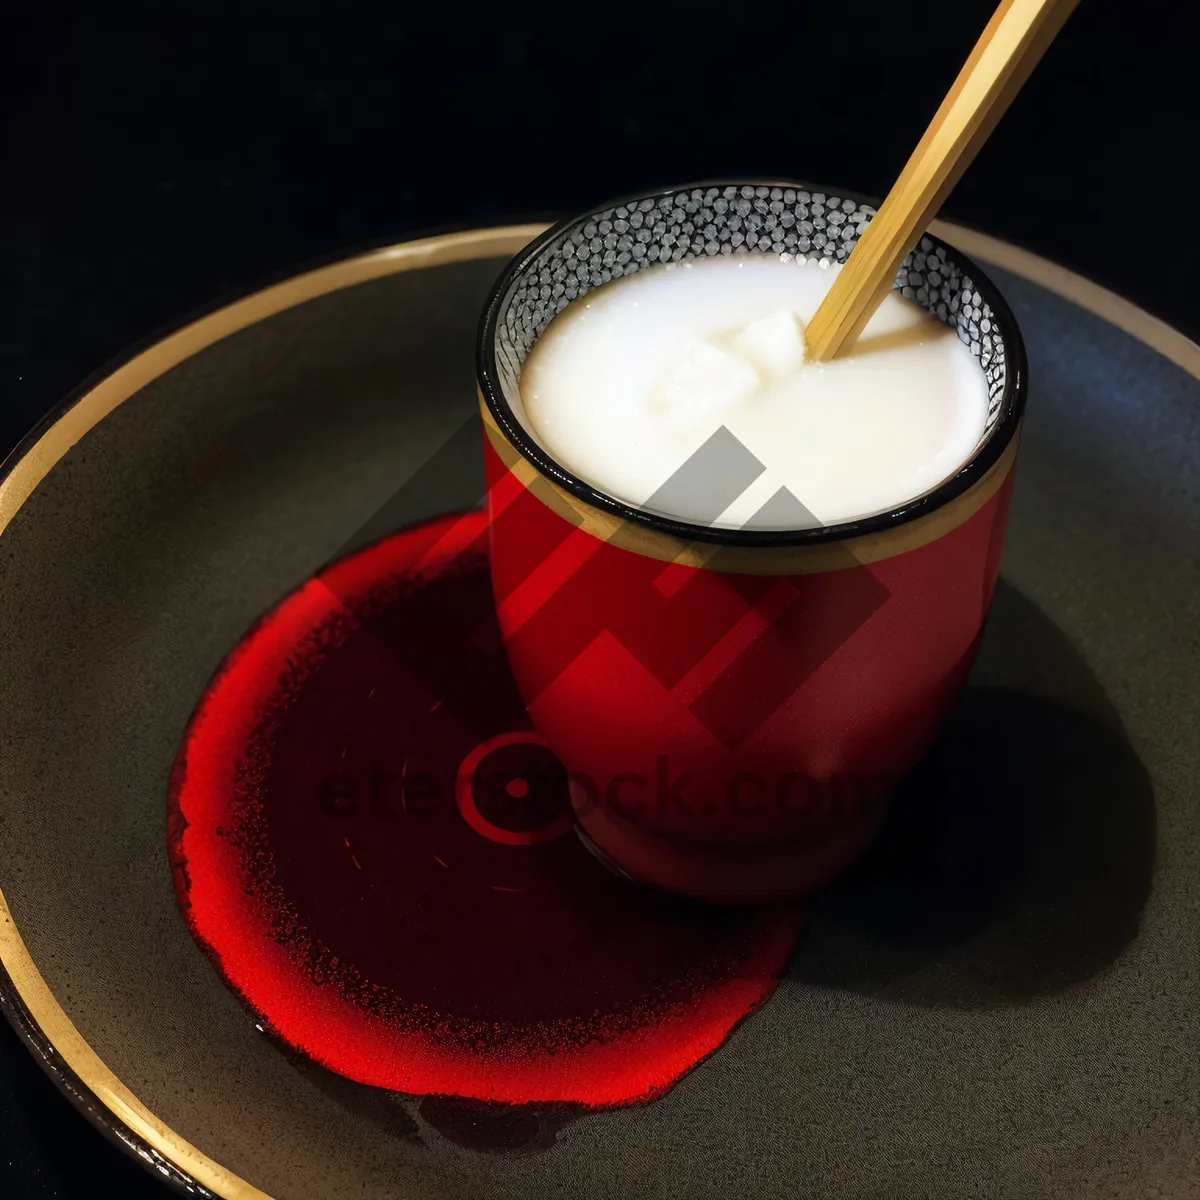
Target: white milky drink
[{"x": 629, "y": 381}]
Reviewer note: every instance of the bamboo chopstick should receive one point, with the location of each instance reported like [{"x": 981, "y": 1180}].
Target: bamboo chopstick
[{"x": 1017, "y": 36}]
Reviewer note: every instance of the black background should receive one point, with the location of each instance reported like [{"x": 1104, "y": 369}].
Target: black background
[{"x": 157, "y": 158}]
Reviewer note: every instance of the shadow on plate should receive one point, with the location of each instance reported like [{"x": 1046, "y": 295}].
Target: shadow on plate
[
  {"x": 1019, "y": 853},
  {"x": 504, "y": 1129}
]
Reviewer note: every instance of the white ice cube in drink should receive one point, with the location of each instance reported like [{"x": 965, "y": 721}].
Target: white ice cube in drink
[
  {"x": 706, "y": 380},
  {"x": 774, "y": 343}
]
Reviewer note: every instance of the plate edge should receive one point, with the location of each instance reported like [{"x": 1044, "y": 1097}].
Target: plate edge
[{"x": 25, "y": 997}]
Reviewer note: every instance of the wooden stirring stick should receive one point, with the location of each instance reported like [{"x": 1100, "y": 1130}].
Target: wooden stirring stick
[{"x": 1015, "y": 39}]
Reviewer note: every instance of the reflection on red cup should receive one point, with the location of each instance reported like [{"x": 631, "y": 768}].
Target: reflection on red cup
[{"x": 733, "y": 706}]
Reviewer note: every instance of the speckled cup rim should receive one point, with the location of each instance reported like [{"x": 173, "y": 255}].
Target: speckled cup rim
[{"x": 984, "y": 457}]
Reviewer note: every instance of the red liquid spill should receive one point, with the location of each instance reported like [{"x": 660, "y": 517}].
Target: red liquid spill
[{"x": 323, "y": 862}]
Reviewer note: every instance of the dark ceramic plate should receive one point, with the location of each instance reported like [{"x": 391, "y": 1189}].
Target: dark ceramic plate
[{"x": 1002, "y": 1002}]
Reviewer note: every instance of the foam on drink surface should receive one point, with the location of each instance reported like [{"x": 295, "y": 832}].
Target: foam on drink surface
[{"x": 627, "y": 383}]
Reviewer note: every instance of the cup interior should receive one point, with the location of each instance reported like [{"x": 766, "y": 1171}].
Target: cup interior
[{"x": 793, "y": 222}]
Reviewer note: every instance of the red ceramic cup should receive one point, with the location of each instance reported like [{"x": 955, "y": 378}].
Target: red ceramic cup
[{"x": 734, "y": 706}]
